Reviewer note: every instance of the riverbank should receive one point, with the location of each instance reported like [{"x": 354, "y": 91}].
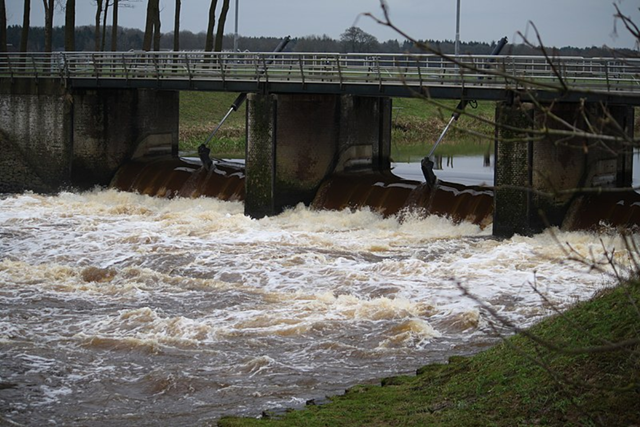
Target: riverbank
[{"x": 571, "y": 369}]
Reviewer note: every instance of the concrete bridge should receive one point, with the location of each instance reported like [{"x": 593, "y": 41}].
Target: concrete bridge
[{"x": 73, "y": 119}]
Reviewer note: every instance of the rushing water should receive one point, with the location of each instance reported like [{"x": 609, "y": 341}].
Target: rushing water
[{"x": 121, "y": 309}]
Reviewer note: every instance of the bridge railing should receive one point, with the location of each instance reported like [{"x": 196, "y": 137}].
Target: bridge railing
[{"x": 520, "y": 72}]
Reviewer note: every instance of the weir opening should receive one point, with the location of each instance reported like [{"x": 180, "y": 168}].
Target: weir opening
[{"x": 382, "y": 192}]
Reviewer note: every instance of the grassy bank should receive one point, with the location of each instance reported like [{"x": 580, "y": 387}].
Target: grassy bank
[
  {"x": 417, "y": 124},
  {"x": 200, "y": 113},
  {"x": 578, "y": 376}
]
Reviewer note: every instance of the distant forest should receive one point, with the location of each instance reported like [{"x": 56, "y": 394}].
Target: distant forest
[{"x": 132, "y": 39}]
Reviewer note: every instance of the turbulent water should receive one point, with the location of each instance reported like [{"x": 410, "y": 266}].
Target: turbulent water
[{"x": 120, "y": 309}]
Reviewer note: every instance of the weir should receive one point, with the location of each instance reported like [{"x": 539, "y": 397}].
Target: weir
[
  {"x": 319, "y": 133},
  {"x": 332, "y": 152}
]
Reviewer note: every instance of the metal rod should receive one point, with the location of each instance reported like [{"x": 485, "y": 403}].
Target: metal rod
[
  {"x": 231, "y": 110},
  {"x": 444, "y": 132},
  {"x": 427, "y": 164}
]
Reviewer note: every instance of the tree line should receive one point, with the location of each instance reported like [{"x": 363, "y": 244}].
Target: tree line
[
  {"x": 133, "y": 39},
  {"x": 68, "y": 37},
  {"x": 101, "y": 36}
]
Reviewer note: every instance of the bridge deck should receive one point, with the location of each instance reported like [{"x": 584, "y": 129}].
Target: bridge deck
[{"x": 444, "y": 77}]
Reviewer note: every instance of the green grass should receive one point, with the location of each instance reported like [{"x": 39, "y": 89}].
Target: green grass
[
  {"x": 517, "y": 383},
  {"x": 417, "y": 124},
  {"x": 201, "y": 112}
]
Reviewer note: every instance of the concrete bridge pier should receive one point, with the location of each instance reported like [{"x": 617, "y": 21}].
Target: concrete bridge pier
[
  {"x": 295, "y": 141},
  {"x": 545, "y": 160}
]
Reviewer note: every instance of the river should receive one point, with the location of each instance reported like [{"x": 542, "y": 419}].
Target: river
[{"x": 121, "y": 309}]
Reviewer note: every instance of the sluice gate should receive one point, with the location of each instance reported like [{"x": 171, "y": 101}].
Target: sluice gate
[
  {"x": 391, "y": 195},
  {"x": 176, "y": 177},
  {"x": 381, "y": 192}
]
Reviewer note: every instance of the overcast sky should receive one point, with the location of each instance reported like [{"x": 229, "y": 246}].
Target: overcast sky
[{"x": 581, "y": 23}]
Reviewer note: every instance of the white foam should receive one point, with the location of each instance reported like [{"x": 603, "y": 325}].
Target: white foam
[{"x": 300, "y": 295}]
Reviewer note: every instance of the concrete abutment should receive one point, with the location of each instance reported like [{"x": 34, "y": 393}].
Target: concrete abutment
[
  {"x": 549, "y": 155},
  {"x": 52, "y": 137}
]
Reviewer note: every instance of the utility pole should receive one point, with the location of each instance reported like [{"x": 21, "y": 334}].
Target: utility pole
[
  {"x": 458, "y": 29},
  {"x": 235, "y": 38}
]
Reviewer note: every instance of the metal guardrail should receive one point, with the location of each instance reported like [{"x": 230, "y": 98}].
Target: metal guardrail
[{"x": 621, "y": 76}]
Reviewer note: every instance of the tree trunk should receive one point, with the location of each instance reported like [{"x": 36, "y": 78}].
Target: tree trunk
[
  {"x": 3, "y": 27},
  {"x": 221, "y": 23},
  {"x": 114, "y": 27},
  {"x": 176, "y": 27},
  {"x": 97, "y": 31},
  {"x": 156, "y": 26},
  {"x": 48, "y": 24},
  {"x": 70, "y": 26},
  {"x": 208, "y": 47},
  {"x": 24, "y": 37},
  {"x": 103, "y": 39},
  {"x": 152, "y": 24}
]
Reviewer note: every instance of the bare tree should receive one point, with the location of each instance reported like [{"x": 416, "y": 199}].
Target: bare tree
[
  {"x": 148, "y": 30},
  {"x": 114, "y": 26},
  {"x": 221, "y": 22},
  {"x": 99, "y": 5},
  {"x": 70, "y": 26},
  {"x": 208, "y": 46},
  {"x": 26, "y": 16},
  {"x": 156, "y": 28},
  {"x": 48, "y": 24},
  {"x": 152, "y": 27},
  {"x": 105, "y": 13},
  {"x": 3, "y": 27},
  {"x": 176, "y": 27},
  {"x": 581, "y": 129},
  {"x": 115, "y": 5}
]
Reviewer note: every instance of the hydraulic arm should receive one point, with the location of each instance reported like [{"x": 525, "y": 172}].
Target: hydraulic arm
[
  {"x": 427, "y": 163},
  {"x": 203, "y": 149}
]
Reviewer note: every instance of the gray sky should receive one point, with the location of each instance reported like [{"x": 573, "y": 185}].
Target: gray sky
[{"x": 580, "y": 23}]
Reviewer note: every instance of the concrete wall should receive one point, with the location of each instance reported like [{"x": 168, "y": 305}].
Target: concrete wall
[
  {"x": 365, "y": 133},
  {"x": 51, "y": 137},
  {"x": 35, "y": 129},
  {"x": 295, "y": 141},
  {"x": 544, "y": 160},
  {"x": 111, "y": 126}
]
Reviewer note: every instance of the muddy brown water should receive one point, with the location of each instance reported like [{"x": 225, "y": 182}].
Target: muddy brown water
[{"x": 119, "y": 308}]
